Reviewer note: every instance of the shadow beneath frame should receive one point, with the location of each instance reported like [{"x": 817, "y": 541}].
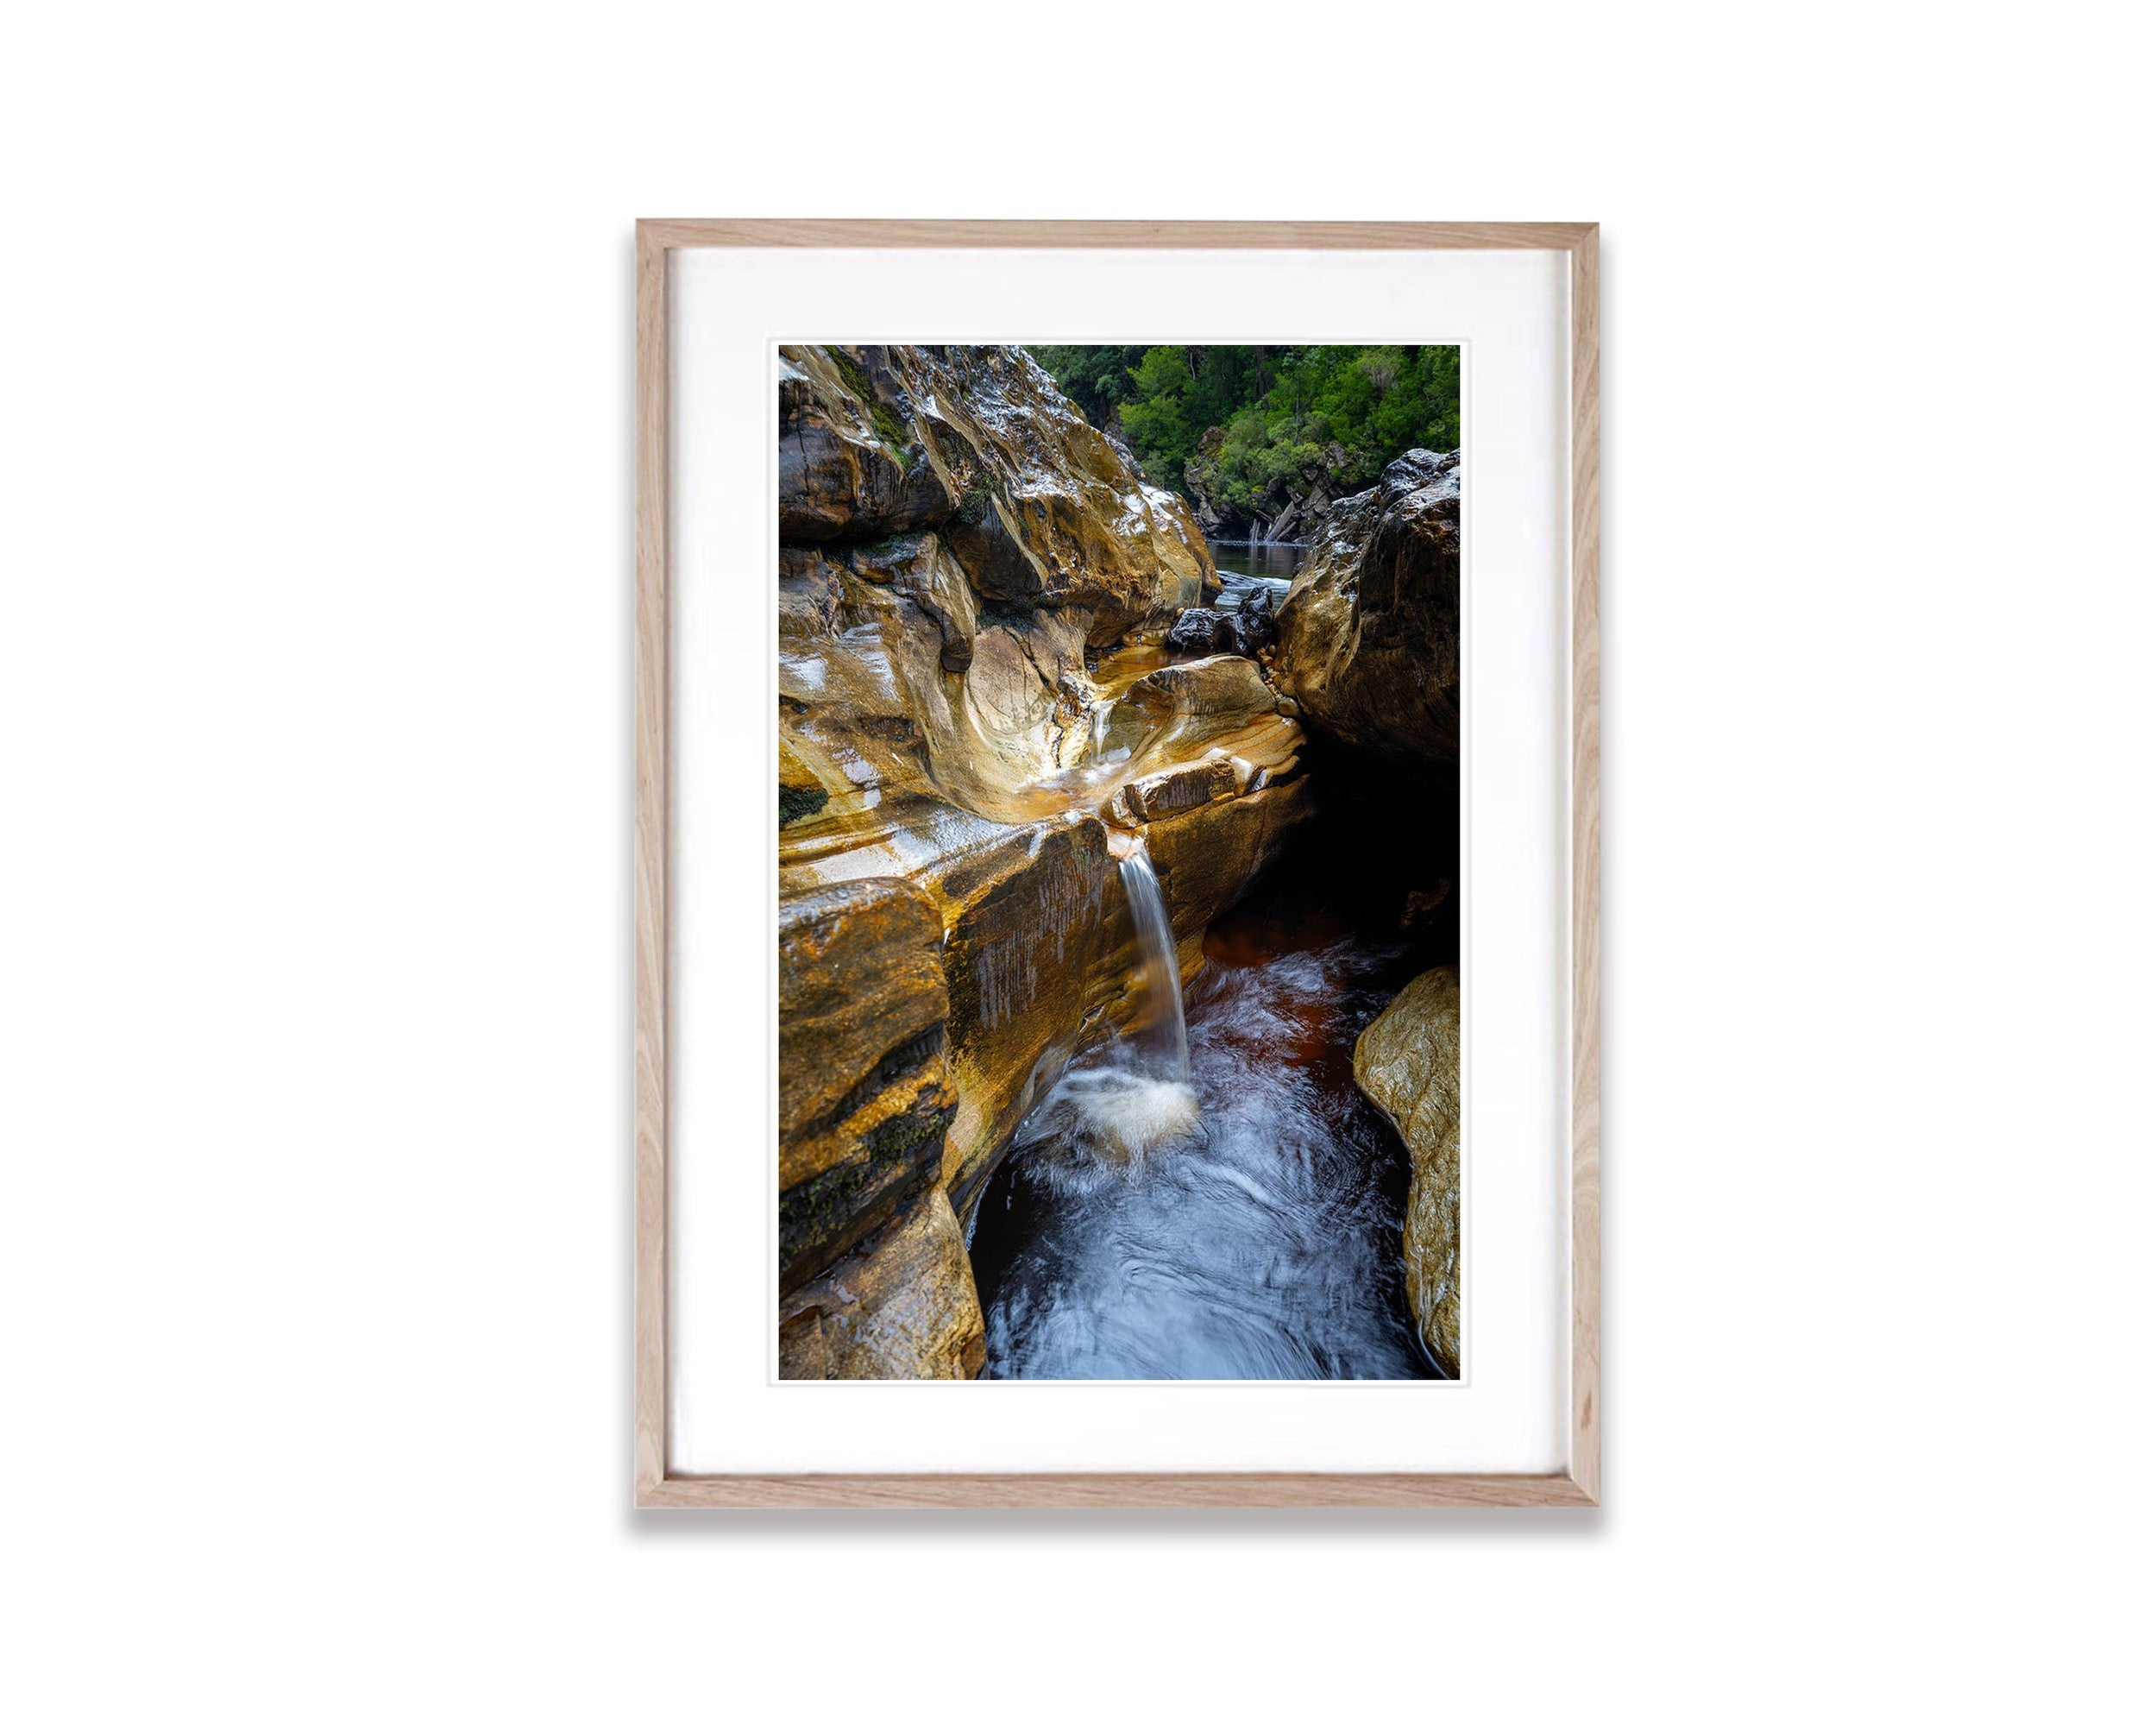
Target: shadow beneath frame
[{"x": 793, "y": 1526}]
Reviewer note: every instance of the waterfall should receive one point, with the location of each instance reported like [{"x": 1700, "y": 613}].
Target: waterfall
[
  {"x": 1160, "y": 980},
  {"x": 1100, "y": 727},
  {"x": 1107, "y": 1115}
]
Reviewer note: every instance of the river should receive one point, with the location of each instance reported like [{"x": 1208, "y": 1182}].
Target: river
[{"x": 1242, "y": 1221}]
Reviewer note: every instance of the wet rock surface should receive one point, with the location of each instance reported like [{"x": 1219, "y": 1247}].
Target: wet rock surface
[
  {"x": 863, "y": 1086},
  {"x": 1003, "y": 698},
  {"x": 962, "y": 724},
  {"x": 1408, "y": 1063},
  {"x": 1370, "y": 630},
  {"x": 1040, "y": 508}
]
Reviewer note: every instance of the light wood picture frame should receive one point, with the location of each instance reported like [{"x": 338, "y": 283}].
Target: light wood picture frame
[{"x": 1577, "y": 1482}]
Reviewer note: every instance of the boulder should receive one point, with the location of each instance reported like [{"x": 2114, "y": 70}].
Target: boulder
[
  {"x": 1369, "y": 644},
  {"x": 1408, "y": 1063},
  {"x": 1247, "y": 630},
  {"x": 1175, "y": 789},
  {"x": 1222, "y": 686},
  {"x": 903, "y": 1306},
  {"x": 1202, "y": 630}
]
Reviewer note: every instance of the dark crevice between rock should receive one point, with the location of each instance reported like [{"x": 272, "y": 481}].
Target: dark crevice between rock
[{"x": 907, "y": 1057}]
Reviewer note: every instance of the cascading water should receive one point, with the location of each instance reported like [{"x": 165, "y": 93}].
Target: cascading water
[
  {"x": 1100, "y": 728},
  {"x": 1159, "y": 978},
  {"x": 1136, "y": 1097}
]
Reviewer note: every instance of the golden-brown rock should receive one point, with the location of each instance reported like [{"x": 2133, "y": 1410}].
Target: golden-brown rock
[
  {"x": 962, "y": 797},
  {"x": 1408, "y": 1063},
  {"x": 863, "y": 1093},
  {"x": 903, "y": 1306},
  {"x": 1207, "y": 857},
  {"x": 1175, "y": 789},
  {"x": 949, "y": 729},
  {"x": 1370, "y": 630},
  {"x": 1025, "y": 915},
  {"x": 1043, "y": 512},
  {"x": 846, "y": 469}
]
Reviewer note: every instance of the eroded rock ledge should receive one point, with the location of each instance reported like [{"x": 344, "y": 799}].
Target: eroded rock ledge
[{"x": 967, "y": 742}]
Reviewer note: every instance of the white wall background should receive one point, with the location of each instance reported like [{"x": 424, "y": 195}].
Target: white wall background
[{"x": 315, "y": 381}]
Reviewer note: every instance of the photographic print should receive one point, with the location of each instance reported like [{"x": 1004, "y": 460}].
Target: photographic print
[{"x": 1119, "y": 714}]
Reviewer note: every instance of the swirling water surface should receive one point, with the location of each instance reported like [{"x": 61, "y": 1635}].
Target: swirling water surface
[{"x": 1122, "y": 1238}]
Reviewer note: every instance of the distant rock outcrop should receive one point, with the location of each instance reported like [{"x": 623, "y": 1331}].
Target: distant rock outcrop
[{"x": 1289, "y": 510}]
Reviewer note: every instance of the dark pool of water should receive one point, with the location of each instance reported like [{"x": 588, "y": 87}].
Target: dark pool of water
[{"x": 1264, "y": 1244}]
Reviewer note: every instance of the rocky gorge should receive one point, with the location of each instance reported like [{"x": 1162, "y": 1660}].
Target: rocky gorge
[{"x": 1028, "y": 772}]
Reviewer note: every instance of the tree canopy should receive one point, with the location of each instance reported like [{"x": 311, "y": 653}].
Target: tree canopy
[{"x": 1341, "y": 411}]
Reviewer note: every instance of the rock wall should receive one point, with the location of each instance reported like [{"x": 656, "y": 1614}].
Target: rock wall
[
  {"x": 1039, "y": 508},
  {"x": 904, "y": 1306},
  {"x": 957, "y": 773},
  {"x": 1370, "y": 629},
  {"x": 1408, "y": 1063}
]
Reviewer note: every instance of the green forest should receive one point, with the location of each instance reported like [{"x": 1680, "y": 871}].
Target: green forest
[{"x": 1281, "y": 413}]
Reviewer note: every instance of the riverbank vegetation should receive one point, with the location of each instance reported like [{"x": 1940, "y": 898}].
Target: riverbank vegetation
[{"x": 1227, "y": 424}]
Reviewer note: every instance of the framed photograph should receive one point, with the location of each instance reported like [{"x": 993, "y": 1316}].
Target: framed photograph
[{"x": 1116, "y": 850}]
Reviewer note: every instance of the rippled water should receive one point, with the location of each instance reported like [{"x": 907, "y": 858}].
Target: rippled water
[{"x": 1259, "y": 1240}]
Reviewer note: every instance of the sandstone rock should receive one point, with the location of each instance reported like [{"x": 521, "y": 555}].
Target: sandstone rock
[
  {"x": 902, "y": 1307},
  {"x": 1025, "y": 913},
  {"x": 1041, "y": 510},
  {"x": 1370, "y": 630},
  {"x": 1206, "y": 688},
  {"x": 981, "y": 789},
  {"x": 1408, "y": 1063},
  {"x": 1174, "y": 788},
  {"x": 1207, "y": 857},
  {"x": 847, "y": 467},
  {"x": 863, "y": 1093},
  {"x": 800, "y": 792}
]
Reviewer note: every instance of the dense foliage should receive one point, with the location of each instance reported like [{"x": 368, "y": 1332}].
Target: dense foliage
[{"x": 1339, "y": 412}]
